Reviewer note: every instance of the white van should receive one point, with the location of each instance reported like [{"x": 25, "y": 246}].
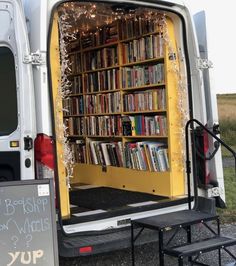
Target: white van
[{"x": 96, "y": 95}]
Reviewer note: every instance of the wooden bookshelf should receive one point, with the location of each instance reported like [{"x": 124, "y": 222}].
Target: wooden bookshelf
[
  {"x": 139, "y": 36},
  {"x": 144, "y": 112},
  {"x": 78, "y": 115},
  {"x": 143, "y": 62},
  {"x": 99, "y": 47},
  {"x": 105, "y": 91},
  {"x": 132, "y": 146},
  {"x": 144, "y": 87},
  {"x": 100, "y": 69}
]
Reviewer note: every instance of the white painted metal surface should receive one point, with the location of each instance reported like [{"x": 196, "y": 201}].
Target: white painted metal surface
[{"x": 13, "y": 34}]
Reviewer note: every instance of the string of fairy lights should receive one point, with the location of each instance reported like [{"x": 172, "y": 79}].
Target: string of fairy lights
[
  {"x": 62, "y": 93},
  {"x": 182, "y": 103},
  {"x": 70, "y": 14}
]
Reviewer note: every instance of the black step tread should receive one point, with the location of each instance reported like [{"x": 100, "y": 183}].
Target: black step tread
[
  {"x": 174, "y": 219},
  {"x": 201, "y": 246}
]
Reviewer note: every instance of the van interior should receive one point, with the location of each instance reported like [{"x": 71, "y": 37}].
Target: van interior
[{"x": 120, "y": 102}]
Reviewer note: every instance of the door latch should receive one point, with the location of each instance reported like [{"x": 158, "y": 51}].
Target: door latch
[{"x": 28, "y": 143}]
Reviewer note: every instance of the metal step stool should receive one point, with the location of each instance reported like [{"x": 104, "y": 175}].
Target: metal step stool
[
  {"x": 198, "y": 248},
  {"x": 202, "y": 212},
  {"x": 166, "y": 222},
  {"x": 183, "y": 220}
]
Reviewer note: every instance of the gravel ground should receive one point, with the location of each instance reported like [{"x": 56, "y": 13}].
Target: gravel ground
[{"x": 146, "y": 255}]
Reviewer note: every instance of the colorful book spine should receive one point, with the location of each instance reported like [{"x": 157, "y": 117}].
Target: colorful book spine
[
  {"x": 79, "y": 151},
  {"x": 106, "y": 80},
  {"x": 73, "y": 105},
  {"x": 103, "y": 35},
  {"x": 144, "y": 125},
  {"x": 75, "y": 126},
  {"x": 137, "y": 76},
  {"x": 141, "y": 49},
  {"x": 145, "y": 156},
  {"x": 75, "y": 63},
  {"x": 107, "y": 103},
  {"x": 106, "y": 153},
  {"x": 148, "y": 100},
  {"x": 101, "y": 58},
  {"x": 138, "y": 27},
  {"x": 104, "y": 125}
]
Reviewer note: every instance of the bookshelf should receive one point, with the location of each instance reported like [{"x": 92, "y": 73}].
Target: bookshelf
[{"x": 122, "y": 114}]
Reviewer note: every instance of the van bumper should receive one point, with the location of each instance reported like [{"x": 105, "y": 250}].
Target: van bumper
[{"x": 101, "y": 242}]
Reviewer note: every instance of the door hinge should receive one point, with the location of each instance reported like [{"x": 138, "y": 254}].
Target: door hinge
[
  {"x": 37, "y": 59},
  {"x": 214, "y": 192},
  {"x": 204, "y": 63},
  {"x": 28, "y": 141}
]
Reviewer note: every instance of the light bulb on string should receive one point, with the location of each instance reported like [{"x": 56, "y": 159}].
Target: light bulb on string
[{"x": 62, "y": 94}]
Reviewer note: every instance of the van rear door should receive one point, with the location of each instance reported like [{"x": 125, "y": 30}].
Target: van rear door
[
  {"x": 213, "y": 167},
  {"x": 17, "y": 116}
]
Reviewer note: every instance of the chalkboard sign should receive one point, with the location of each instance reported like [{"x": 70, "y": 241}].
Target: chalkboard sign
[{"x": 27, "y": 224}]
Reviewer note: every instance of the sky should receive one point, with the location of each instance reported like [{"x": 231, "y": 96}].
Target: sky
[{"x": 222, "y": 35}]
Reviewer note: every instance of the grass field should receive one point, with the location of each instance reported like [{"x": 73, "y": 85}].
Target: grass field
[
  {"x": 227, "y": 120},
  {"x": 228, "y": 215}
]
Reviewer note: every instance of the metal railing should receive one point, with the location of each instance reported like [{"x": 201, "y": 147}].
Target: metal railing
[{"x": 188, "y": 162}]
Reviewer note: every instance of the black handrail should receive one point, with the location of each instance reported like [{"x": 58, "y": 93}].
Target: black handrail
[{"x": 188, "y": 163}]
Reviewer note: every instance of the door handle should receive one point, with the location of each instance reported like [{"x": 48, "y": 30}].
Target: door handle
[{"x": 28, "y": 143}]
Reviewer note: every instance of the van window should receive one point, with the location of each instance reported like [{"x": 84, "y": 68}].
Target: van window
[{"x": 8, "y": 96}]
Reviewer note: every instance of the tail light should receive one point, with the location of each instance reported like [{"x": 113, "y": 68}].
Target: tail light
[
  {"x": 44, "y": 156},
  {"x": 202, "y": 151},
  {"x": 87, "y": 249},
  {"x": 206, "y": 154}
]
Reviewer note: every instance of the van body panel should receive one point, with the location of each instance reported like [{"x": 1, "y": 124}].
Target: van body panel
[
  {"x": 13, "y": 35},
  {"x": 205, "y": 43},
  {"x": 37, "y": 30}
]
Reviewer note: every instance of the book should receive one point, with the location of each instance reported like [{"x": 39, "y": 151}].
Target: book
[{"x": 93, "y": 155}]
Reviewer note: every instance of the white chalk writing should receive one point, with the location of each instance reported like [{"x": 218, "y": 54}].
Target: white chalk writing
[
  {"x": 29, "y": 205},
  {"x": 25, "y": 257}
]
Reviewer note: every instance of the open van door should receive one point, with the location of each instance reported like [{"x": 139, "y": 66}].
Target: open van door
[
  {"x": 17, "y": 115},
  {"x": 213, "y": 167}
]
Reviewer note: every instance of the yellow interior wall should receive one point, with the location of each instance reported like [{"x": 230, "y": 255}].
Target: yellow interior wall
[
  {"x": 56, "y": 76},
  {"x": 174, "y": 116},
  {"x": 123, "y": 178}
]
